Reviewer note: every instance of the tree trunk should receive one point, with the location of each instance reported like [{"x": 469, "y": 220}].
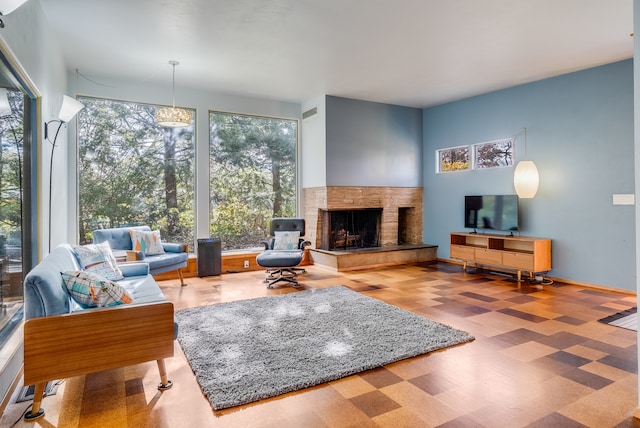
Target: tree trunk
[
  {"x": 170, "y": 182},
  {"x": 277, "y": 188}
]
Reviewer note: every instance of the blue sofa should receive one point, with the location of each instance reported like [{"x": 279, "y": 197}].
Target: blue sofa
[
  {"x": 174, "y": 258},
  {"x": 61, "y": 339}
]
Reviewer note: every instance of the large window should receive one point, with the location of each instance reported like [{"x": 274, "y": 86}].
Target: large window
[
  {"x": 252, "y": 170},
  {"x": 13, "y": 194},
  {"x": 133, "y": 172}
]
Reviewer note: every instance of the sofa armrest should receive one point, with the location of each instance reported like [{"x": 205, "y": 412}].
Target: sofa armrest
[
  {"x": 134, "y": 269},
  {"x": 174, "y": 248},
  {"x": 61, "y": 346}
]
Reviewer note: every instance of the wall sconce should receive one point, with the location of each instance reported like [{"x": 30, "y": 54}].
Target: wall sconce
[
  {"x": 8, "y": 6},
  {"x": 70, "y": 108},
  {"x": 525, "y": 177}
]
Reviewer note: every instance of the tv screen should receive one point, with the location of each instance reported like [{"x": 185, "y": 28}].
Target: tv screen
[{"x": 496, "y": 212}]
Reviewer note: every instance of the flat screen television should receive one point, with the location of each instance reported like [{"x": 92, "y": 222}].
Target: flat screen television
[{"x": 492, "y": 212}]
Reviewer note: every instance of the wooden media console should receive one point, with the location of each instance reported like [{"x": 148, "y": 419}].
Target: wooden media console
[{"x": 512, "y": 252}]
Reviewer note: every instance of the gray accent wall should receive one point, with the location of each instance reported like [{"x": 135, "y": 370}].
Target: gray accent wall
[
  {"x": 580, "y": 134},
  {"x": 372, "y": 144}
]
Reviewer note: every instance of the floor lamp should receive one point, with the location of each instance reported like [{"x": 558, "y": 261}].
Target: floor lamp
[{"x": 69, "y": 110}]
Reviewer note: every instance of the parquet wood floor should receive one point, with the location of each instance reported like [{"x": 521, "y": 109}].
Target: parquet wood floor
[{"x": 540, "y": 359}]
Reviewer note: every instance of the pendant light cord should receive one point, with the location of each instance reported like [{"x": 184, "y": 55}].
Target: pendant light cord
[{"x": 174, "y": 63}]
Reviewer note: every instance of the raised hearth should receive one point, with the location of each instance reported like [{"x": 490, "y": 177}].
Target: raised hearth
[
  {"x": 366, "y": 258},
  {"x": 400, "y": 221},
  {"x": 398, "y": 228}
]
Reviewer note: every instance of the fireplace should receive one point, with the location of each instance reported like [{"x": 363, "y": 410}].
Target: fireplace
[
  {"x": 393, "y": 213},
  {"x": 350, "y": 229}
]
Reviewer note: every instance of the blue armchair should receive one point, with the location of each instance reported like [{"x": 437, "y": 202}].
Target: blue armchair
[{"x": 174, "y": 258}]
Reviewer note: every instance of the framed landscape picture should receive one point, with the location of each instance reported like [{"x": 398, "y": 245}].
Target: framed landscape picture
[
  {"x": 453, "y": 159},
  {"x": 493, "y": 154}
]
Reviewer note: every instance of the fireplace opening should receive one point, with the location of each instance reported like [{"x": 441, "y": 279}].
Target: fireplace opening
[
  {"x": 405, "y": 229},
  {"x": 349, "y": 229}
]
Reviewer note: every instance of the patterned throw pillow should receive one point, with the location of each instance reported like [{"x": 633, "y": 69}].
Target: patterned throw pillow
[
  {"x": 94, "y": 291},
  {"x": 146, "y": 242},
  {"x": 286, "y": 240},
  {"x": 98, "y": 258}
]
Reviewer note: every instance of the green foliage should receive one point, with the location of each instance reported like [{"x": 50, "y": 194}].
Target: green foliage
[
  {"x": 454, "y": 166},
  {"x": 11, "y": 172},
  {"x": 252, "y": 176},
  {"x": 133, "y": 172}
]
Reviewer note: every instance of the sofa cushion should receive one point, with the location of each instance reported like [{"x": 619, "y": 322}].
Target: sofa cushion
[
  {"x": 167, "y": 260},
  {"x": 146, "y": 242},
  {"x": 98, "y": 258},
  {"x": 142, "y": 289},
  {"x": 91, "y": 290}
]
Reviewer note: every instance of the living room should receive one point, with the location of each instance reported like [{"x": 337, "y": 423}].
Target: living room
[{"x": 579, "y": 131}]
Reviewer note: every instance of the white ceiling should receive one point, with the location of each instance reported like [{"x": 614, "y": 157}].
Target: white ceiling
[{"x": 416, "y": 53}]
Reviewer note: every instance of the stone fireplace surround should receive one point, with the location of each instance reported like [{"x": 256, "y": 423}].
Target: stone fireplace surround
[
  {"x": 394, "y": 202},
  {"x": 400, "y": 229}
]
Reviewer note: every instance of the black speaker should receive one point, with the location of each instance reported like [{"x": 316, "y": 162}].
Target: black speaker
[{"x": 209, "y": 257}]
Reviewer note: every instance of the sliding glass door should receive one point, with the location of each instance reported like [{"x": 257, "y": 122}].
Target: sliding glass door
[{"x": 16, "y": 221}]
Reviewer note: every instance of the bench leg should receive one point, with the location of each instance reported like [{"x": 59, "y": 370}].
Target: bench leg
[
  {"x": 36, "y": 411},
  {"x": 181, "y": 277},
  {"x": 164, "y": 382}
]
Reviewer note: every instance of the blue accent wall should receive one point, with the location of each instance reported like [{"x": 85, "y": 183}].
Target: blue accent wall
[
  {"x": 580, "y": 134},
  {"x": 372, "y": 144}
]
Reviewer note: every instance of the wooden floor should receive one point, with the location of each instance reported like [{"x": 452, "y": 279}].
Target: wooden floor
[{"x": 540, "y": 359}]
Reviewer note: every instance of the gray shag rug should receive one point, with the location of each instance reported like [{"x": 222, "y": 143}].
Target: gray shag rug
[{"x": 248, "y": 350}]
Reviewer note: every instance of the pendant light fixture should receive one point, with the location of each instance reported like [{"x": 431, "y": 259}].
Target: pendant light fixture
[
  {"x": 525, "y": 177},
  {"x": 173, "y": 117}
]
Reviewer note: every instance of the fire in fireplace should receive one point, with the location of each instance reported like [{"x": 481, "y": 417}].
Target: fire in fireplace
[{"x": 350, "y": 229}]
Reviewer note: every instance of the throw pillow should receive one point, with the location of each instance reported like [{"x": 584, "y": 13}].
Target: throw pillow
[
  {"x": 146, "y": 242},
  {"x": 94, "y": 291},
  {"x": 286, "y": 240},
  {"x": 98, "y": 258}
]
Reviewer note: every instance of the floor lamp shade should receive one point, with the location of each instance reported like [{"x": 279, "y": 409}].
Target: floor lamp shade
[
  {"x": 525, "y": 179},
  {"x": 9, "y": 6},
  {"x": 70, "y": 107}
]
